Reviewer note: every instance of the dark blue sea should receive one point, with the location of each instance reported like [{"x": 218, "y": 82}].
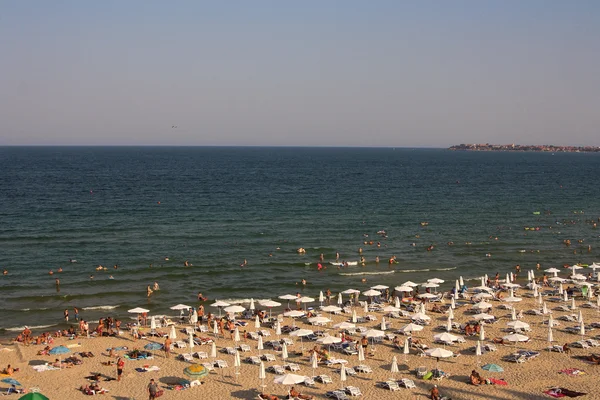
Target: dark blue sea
[{"x": 150, "y": 209}]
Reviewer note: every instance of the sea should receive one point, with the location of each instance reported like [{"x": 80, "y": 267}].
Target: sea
[{"x": 148, "y": 210}]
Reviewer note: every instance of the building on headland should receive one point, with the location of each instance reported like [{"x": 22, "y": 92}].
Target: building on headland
[{"x": 520, "y": 147}]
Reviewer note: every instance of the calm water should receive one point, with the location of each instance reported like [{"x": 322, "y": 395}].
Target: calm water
[{"x": 216, "y": 207}]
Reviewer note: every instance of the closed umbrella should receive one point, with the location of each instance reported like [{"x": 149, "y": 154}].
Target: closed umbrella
[
  {"x": 191, "y": 343},
  {"x": 448, "y": 325},
  {"x": 284, "y": 352},
  {"x": 573, "y": 306},
  {"x": 257, "y": 322},
  {"x": 450, "y": 313},
  {"x": 236, "y": 335},
  {"x": 340, "y": 301},
  {"x": 394, "y": 367},
  {"x": 452, "y": 303},
  {"x": 314, "y": 362},
  {"x": 544, "y": 309},
  {"x": 342, "y": 374},
  {"x": 261, "y": 374},
  {"x": 397, "y": 302},
  {"x": 581, "y": 329},
  {"x": 579, "y": 317},
  {"x": 278, "y": 329},
  {"x": 550, "y": 336},
  {"x": 237, "y": 363},
  {"x": 406, "y": 348},
  {"x": 152, "y": 323},
  {"x": 481, "y": 333},
  {"x": 354, "y": 317},
  {"x": 251, "y": 307},
  {"x": 173, "y": 334},
  {"x": 321, "y": 297},
  {"x": 361, "y": 354},
  {"x": 513, "y": 314},
  {"x": 213, "y": 350},
  {"x": 260, "y": 345},
  {"x": 478, "y": 349},
  {"x": 383, "y": 326},
  {"x": 215, "y": 328}
]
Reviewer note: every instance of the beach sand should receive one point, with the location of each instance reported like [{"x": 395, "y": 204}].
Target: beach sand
[{"x": 525, "y": 381}]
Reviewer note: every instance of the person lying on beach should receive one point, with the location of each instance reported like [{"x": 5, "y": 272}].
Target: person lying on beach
[
  {"x": 268, "y": 396},
  {"x": 296, "y": 394},
  {"x": 44, "y": 351},
  {"x": 9, "y": 370},
  {"x": 476, "y": 379},
  {"x": 498, "y": 340}
]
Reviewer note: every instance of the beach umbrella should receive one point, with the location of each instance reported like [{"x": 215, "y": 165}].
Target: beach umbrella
[
  {"x": 493, "y": 368},
  {"x": 406, "y": 348},
  {"x": 213, "y": 350},
  {"x": 153, "y": 346},
  {"x": 552, "y": 271},
  {"x": 371, "y": 293},
  {"x": 289, "y": 379},
  {"x": 438, "y": 353},
  {"x": 573, "y": 306},
  {"x": 579, "y": 316},
  {"x": 234, "y": 309},
  {"x": 340, "y": 301},
  {"x": 390, "y": 309},
  {"x": 257, "y": 322},
  {"x": 409, "y": 283},
  {"x": 293, "y": 313},
  {"x": 481, "y": 333},
  {"x": 220, "y": 304},
  {"x": 366, "y": 308},
  {"x": 544, "y": 309},
  {"x": 11, "y": 381},
  {"x": 373, "y": 333},
  {"x": 482, "y": 295},
  {"x": 344, "y": 325},
  {"x": 288, "y": 297},
  {"x": 33, "y": 396},
  {"x": 179, "y": 307},
  {"x": 194, "y": 318},
  {"x": 449, "y": 324},
  {"x": 482, "y": 305},
  {"x": 516, "y": 337},
  {"x": 518, "y": 325},
  {"x": 420, "y": 315},
  {"x": 354, "y": 317},
  {"x": 261, "y": 374},
  {"x": 535, "y": 291},
  {"x": 215, "y": 328},
  {"x": 560, "y": 288},
  {"x": 411, "y": 328},
  {"x": 507, "y": 280},
  {"x": 445, "y": 337},
  {"x": 361, "y": 354},
  {"x": 452, "y": 303},
  {"x": 251, "y": 306},
  {"x": 581, "y": 329},
  {"x": 59, "y": 351},
  {"x": 319, "y": 320},
  {"x": 138, "y": 310},
  {"x": 512, "y": 299},
  {"x": 540, "y": 299},
  {"x": 321, "y": 297},
  {"x": 394, "y": 368},
  {"x": 306, "y": 300},
  {"x": 403, "y": 288},
  {"x": 284, "y": 352},
  {"x": 196, "y": 371},
  {"x": 301, "y": 333},
  {"x": 331, "y": 309},
  {"x": 314, "y": 360},
  {"x": 513, "y": 314},
  {"x": 259, "y": 345},
  {"x": 383, "y": 326},
  {"x": 343, "y": 377},
  {"x": 329, "y": 340},
  {"x": 483, "y": 317},
  {"x": 350, "y": 291},
  {"x": 380, "y": 287},
  {"x": 152, "y": 323},
  {"x": 423, "y": 310},
  {"x": 173, "y": 333},
  {"x": 550, "y": 336},
  {"x": 278, "y": 328},
  {"x": 450, "y": 313},
  {"x": 512, "y": 277},
  {"x": 236, "y": 335},
  {"x": 461, "y": 282},
  {"x": 397, "y": 302},
  {"x": 478, "y": 349},
  {"x": 565, "y": 296}
]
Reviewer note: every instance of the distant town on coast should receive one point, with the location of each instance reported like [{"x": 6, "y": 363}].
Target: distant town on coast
[{"x": 520, "y": 147}]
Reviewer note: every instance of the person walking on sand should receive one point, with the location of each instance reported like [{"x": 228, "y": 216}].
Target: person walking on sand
[
  {"x": 152, "y": 390},
  {"x": 120, "y": 366},
  {"x": 167, "y": 347}
]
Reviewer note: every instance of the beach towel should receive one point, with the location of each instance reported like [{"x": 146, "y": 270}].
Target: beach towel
[
  {"x": 572, "y": 371},
  {"x": 42, "y": 368},
  {"x": 498, "y": 381},
  {"x": 70, "y": 346},
  {"x": 563, "y": 392}
]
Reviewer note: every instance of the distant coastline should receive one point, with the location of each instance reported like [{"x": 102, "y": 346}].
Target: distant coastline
[{"x": 520, "y": 147}]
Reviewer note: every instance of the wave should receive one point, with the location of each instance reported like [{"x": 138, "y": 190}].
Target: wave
[
  {"x": 414, "y": 270},
  {"x": 445, "y": 269},
  {"x": 101, "y": 307},
  {"x": 366, "y": 273},
  {"x": 20, "y": 328},
  {"x": 33, "y": 309},
  {"x": 243, "y": 301}
]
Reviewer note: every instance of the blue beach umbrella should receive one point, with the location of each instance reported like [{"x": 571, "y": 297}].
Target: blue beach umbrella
[
  {"x": 11, "y": 381},
  {"x": 493, "y": 368},
  {"x": 59, "y": 350},
  {"x": 153, "y": 346}
]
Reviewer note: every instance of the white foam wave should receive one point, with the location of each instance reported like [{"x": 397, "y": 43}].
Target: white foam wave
[
  {"x": 100, "y": 307},
  {"x": 20, "y": 328},
  {"x": 34, "y": 309},
  {"x": 414, "y": 270},
  {"x": 445, "y": 269},
  {"x": 366, "y": 273},
  {"x": 242, "y": 301}
]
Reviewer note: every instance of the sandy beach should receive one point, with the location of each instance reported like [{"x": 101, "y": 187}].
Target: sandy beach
[{"x": 525, "y": 380}]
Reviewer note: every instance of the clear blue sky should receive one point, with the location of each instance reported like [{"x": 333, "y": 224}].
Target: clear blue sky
[{"x": 330, "y": 73}]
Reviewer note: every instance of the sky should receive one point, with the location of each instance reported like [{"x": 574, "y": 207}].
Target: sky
[{"x": 310, "y": 73}]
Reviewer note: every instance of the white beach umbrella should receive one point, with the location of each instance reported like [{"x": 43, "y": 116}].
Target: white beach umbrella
[
  {"x": 391, "y": 309},
  {"x": 361, "y": 354},
  {"x": 301, "y": 333},
  {"x": 237, "y": 362},
  {"x": 138, "y": 310},
  {"x": 257, "y": 322},
  {"x": 213, "y": 350},
  {"x": 236, "y": 335},
  {"x": 343, "y": 377},
  {"x": 482, "y": 295},
  {"x": 366, "y": 308},
  {"x": 551, "y": 321},
  {"x": 306, "y": 300},
  {"x": 180, "y": 307},
  {"x": 354, "y": 317},
  {"x": 173, "y": 334},
  {"x": 580, "y": 316},
  {"x": 481, "y": 333},
  {"x": 581, "y": 328},
  {"x": 293, "y": 313},
  {"x": 260, "y": 346},
  {"x": 513, "y": 314},
  {"x": 406, "y": 348},
  {"x": 287, "y": 297},
  {"x": 251, "y": 306},
  {"x": 508, "y": 280},
  {"x": 394, "y": 367},
  {"x": 552, "y": 271},
  {"x": 452, "y": 303},
  {"x": 516, "y": 337},
  {"x": 261, "y": 374},
  {"x": 565, "y": 296},
  {"x": 438, "y": 353},
  {"x": 544, "y": 309},
  {"x": 518, "y": 325},
  {"x": 284, "y": 351},
  {"x": 423, "y": 310},
  {"x": 319, "y": 320},
  {"x": 535, "y": 291},
  {"x": 411, "y": 328},
  {"x": 314, "y": 362},
  {"x": 461, "y": 282},
  {"x": 550, "y": 336},
  {"x": 191, "y": 343},
  {"x": 560, "y": 288},
  {"x": 445, "y": 337},
  {"x": 153, "y": 323},
  {"x": 380, "y": 287},
  {"x": 331, "y": 309},
  {"x": 573, "y": 305},
  {"x": 427, "y": 296},
  {"x": 371, "y": 293},
  {"x": 397, "y": 302},
  {"x": 409, "y": 283},
  {"x": 340, "y": 301},
  {"x": 373, "y": 333},
  {"x": 351, "y": 291},
  {"x": 328, "y": 340},
  {"x": 403, "y": 288},
  {"x": 383, "y": 325},
  {"x": 478, "y": 348},
  {"x": 215, "y": 328},
  {"x": 234, "y": 309},
  {"x": 344, "y": 325},
  {"x": 321, "y": 297},
  {"x": 512, "y": 277},
  {"x": 289, "y": 379},
  {"x": 450, "y": 313},
  {"x": 220, "y": 304},
  {"x": 449, "y": 324},
  {"x": 430, "y": 285},
  {"x": 278, "y": 328}
]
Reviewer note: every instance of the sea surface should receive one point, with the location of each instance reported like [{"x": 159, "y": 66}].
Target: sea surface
[{"x": 150, "y": 209}]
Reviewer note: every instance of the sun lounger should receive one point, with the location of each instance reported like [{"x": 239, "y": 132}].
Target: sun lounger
[
  {"x": 350, "y": 371},
  {"x": 351, "y": 351},
  {"x": 221, "y": 364},
  {"x": 208, "y": 366},
  {"x": 292, "y": 367},
  {"x": 253, "y": 335},
  {"x": 308, "y": 381},
  {"x": 202, "y": 328},
  {"x": 276, "y": 369},
  {"x": 389, "y": 384},
  {"x": 365, "y": 369},
  {"x": 334, "y": 361},
  {"x": 267, "y": 357},
  {"x": 180, "y": 344},
  {"x": 353, "y": 391},
  {"x": 228, "y": 350},
  {"x": 252, "y": 360},
  {"x": 244, "y": 347},
  {"x": 408, "y": 383},
  {"x": 200, "y": 354},
  {"x": 580, "y": 343},
  {"x": 287, "y": 341},
  {"x": 516, "y": 358},
  {"x": 490, "y": 347},
  {"x": 186, "y": 357},
  {"x": 593, "y": 342},
  {"x": 533, "y": 312},
  {"x": 337, "y": 394},
  {"x": 264, "y": 332},
  {"x": 557, "y": 348},
  {"x": 323, "y": 379}
]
